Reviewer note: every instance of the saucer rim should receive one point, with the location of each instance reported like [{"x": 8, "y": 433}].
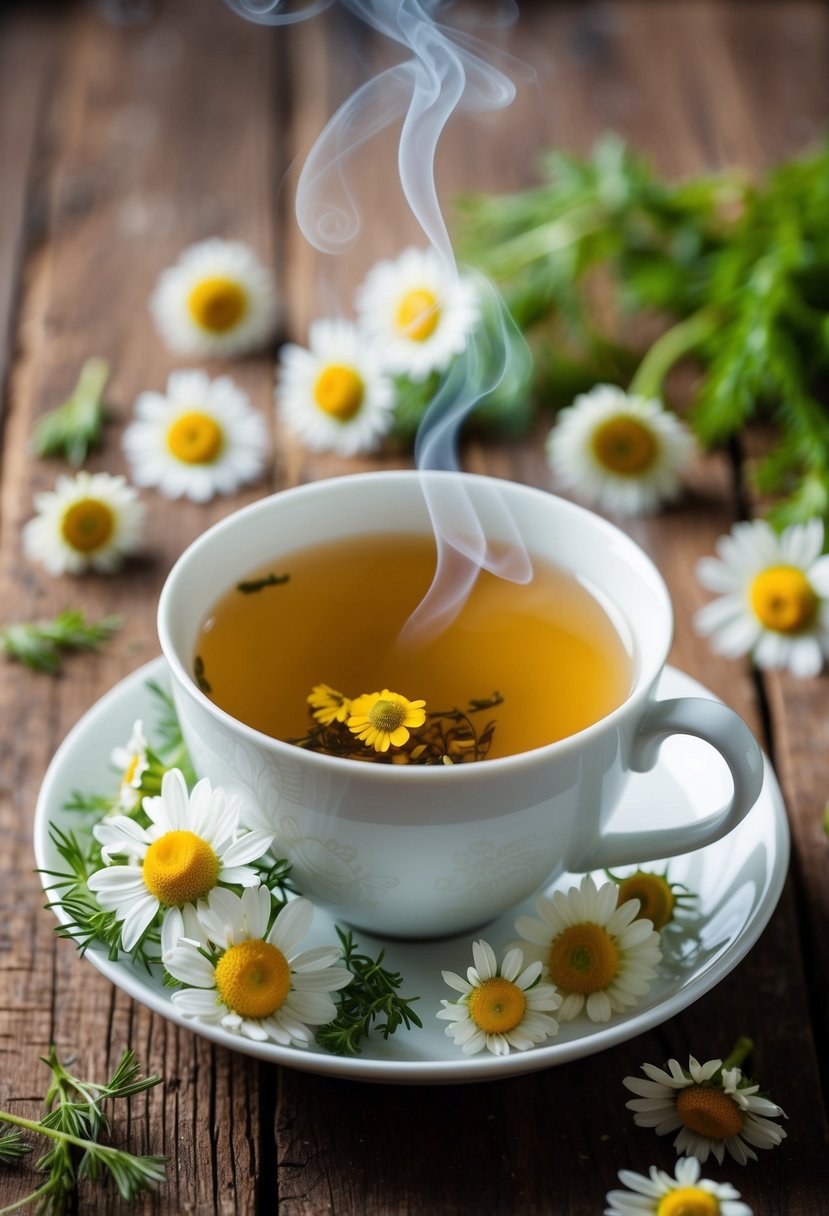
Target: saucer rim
[{"x": 481, "y": 1067}]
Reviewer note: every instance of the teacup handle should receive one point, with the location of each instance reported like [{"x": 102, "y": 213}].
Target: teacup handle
[{"x": 716, "y": 724}]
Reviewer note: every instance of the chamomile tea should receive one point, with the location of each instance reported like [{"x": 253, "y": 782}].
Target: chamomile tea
[{"x": 523, "y": 665}]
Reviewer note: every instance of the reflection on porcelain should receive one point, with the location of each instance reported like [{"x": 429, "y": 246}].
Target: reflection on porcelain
[
  {"x": 395, "y": 832},
  {"x": 333, "y": 868}
]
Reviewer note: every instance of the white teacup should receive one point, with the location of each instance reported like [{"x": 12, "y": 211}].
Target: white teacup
[{"x": 392, "y": 849}]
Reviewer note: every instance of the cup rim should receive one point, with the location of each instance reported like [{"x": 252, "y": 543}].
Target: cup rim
[{"x": 645, "y": 679}]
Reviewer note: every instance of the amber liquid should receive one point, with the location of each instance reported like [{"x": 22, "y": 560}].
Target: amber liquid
[{"x": 548, "y": 646}]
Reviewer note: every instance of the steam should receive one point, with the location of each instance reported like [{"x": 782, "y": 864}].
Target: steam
[{"x": 448, "y": 69}]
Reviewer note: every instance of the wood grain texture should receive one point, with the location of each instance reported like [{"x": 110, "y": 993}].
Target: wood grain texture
[{"x": 123, "y": 145}]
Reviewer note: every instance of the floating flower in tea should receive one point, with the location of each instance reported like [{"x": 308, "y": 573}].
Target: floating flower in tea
[
  {"x": 381, "y": 719},
  {"x": 387, "y": 727}
]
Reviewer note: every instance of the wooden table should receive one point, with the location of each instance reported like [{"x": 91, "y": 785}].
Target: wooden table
[{"x": 119, "y": 146}]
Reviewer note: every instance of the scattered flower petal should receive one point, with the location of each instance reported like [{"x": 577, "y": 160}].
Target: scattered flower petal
[
  {"x": 216, "y": 301},
  {"x": 622, "y": 453},
  {"x": 88, "y": 522},
  {"x": 684, "y": 1194},
  {"x": 773, "y": 596},
  {"x": 199, "y": 439},
  {"x": 714, "y": 1109}
]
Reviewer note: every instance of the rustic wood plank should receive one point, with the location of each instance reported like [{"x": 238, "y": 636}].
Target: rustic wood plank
[{"x": 148, "y": 157}]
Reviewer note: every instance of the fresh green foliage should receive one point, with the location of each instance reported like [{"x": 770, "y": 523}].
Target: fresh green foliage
[
  {"x": 40, "y": 645},
  {"x": 369, "y": 1002},
  {"x": 88, "y": 924},
  {"x": 13, "y": 1146},
  {"x": 74, "y": 427},
  {"x": 74, "y": 1121},
  {"x": 738, "y": 270}
]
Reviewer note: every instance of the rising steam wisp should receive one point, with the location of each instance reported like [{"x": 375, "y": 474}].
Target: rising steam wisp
[{"x": 447, "y": 69}]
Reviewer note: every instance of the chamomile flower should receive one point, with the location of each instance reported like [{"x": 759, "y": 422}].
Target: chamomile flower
[
  {"x": 334, "y": 396},
  {"x": 328, "y": 705},
  {"x": 684, "y": 1194},
  {"x": 773, "y": 596},
  {"x": 88, "y": 522},
  {"x": 598, "y": 955},
  {"x": 247, "y": 976},
  {"x": 418, "y": 311},
  {"x": 202, "y": 437},
  {"x": 385, "y": 719},
  {"x": 660, "y": 900},
  {"x": 193, "y": 844},
  {"x": 713, "y": 1108},
  {"x": 500, "y": 1006},
  {"x": 133, "y": 762},
  {"x": 623, "y": 453},
  {"x": 217, "y": 300}
]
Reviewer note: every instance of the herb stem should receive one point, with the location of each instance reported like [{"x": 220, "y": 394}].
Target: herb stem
[
  {"x": 545, "y": 239},
  {"x": 741, "y": 1049},
  {"x": 42, "y": 1129},
  {"x": 668, "y": 349}
]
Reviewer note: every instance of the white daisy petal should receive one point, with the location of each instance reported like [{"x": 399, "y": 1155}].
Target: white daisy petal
[
  {"x": 138, "y": 919},
  {"x": 291, "y": 925},
  {"x": 197, "y": 1003}
]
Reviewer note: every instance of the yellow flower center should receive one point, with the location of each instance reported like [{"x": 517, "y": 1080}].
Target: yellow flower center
[
  {"x": 624, "y": 445},
  {"x": 583, "y": 958},
  {"x": 253, "y": 978},
  {"x": 387, "y": 715},
  {"x": 180, "y": 868},
  {"x": 688, "y": 1201},
  {"x": 783, "y": 599},
  {"x": 195, "y": 438},
  {"x": 497, "y": 1005},
  {"x": 87, "y": 525},
  {"x": 656, "y": 899},
  {"x": 418, "y": 314},
  {"x": 709, "y": 1112},
  {"x": 339, "y": 391},
  {"x": 217, "y": 304}
]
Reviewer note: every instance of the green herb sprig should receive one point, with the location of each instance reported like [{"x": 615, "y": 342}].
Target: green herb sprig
[
  {"x": 369, "y": 1002},
  {"x": 74, "y": 1121},
  {"x": 74, "y": 427},
  {"x": 40, "y": 645},
  {"x": 737, "y": 270}
]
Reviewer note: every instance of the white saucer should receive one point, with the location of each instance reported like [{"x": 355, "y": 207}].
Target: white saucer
[{"x": 738, "y": 881}]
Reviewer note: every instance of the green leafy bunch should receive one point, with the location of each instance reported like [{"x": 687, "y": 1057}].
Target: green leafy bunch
[
  {"x": 732, "y": 271},
  {"x": 74, "y": 1122}
]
